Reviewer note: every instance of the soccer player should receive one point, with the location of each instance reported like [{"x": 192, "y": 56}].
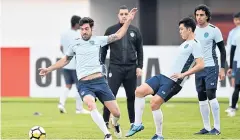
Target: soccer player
[
  {"x": 235, "y": 52},
  {"x": 236, "y": 20},
  {"x": 92, "y": 83},
  {"x": 126, "y": 62},
  {"x": 69, "y": 71},
  {"x": 207, "y": 79},
  {"x": 163, "y": 87}
]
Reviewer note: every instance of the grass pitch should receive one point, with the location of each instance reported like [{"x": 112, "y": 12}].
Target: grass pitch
[{"x": 181, "y": 119}]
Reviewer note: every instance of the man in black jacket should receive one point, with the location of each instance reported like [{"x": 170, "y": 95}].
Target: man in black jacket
[{"x": 126, "y": 62}]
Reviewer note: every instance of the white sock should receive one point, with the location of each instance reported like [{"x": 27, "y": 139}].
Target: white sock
[
  {"x": 115, "y": 120},
  {"x": 158, "y": 120},
  {"x": 216, "y": 113},
  {"x": 79, "y": 102},
  {"x": 205, "y": 112},
  {"x": 63, "y": 96},
  {"x": 139, "y": 107},
  {"x": 98, "y": 119}
]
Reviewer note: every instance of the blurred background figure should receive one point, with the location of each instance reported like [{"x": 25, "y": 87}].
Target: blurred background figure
[
  {"x": 69, "y": 71},
  {"x": 231, "y": 35},
  {"x": 234, "y": 54}
]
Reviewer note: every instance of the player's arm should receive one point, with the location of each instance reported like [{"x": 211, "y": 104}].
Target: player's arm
[
  {"x": 222, "y": 50},
  {"x": 232, "y": 53},
  {"x": 198, "y": 66},
  {"x": 199, "y": 63},
  {"x": 59, "y": 64},
  {"x": 219, "y": 39},
  {"x": 104, "y": 48},
  {"x": 139, "y": 49},
  {"x": 122, "y": 31}
]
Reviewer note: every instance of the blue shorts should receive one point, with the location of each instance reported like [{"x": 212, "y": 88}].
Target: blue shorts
[
  {"x": 237, "y": 76},
  {"x": 234, "y": 68},
  {"x": 98, "y": 88},
  {"x": 163, "y": 86},
  {"x": 70, "y": 76},
  {"x": 207, "y": 79}
]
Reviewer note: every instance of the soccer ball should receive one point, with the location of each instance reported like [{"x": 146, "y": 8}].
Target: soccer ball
[{"x": 37, "y": 133}]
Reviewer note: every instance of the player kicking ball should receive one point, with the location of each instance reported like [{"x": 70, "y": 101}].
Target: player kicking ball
[{"x": 163, "y": 87}]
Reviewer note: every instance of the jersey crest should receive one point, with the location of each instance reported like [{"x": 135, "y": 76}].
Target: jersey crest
[{"x": 206, "y": 35}]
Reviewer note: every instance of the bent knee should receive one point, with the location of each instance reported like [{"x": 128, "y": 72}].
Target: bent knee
[
  {"x": 156, "y": 102},
  {"x": 116, "y": 113},
  {"x": 143, "y": 90},
  {"x": 138, "y": 92},
  {"x": 90, "y": 102}
]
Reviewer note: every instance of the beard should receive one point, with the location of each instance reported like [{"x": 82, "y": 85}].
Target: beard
[{"x": 85, "y": 37}]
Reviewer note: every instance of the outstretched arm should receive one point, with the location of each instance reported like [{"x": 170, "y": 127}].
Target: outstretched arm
[
  {"x": 59, "y": 64},
  {"x": 122, "y": 31}
]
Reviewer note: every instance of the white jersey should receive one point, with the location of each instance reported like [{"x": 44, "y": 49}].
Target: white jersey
[
  {"x": 230, "y": 39},
  {"x": 208, "y": 37},
  {"x": 236, "y": 42},
  {"x": 188, "y": 52},
  {"x": 66, "y": 39},
  {"x": 87, "y": 55}
]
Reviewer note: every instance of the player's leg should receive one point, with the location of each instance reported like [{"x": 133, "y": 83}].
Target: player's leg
[
  {"x": 89, "y": 98},
  {"x": 211, "y": 81},
  {"x": 112, "y": 106},
  {"x": 165, "y": 92},
  {"x": 105, "y": 95},
  {"x": 130, "y": 83},
  {"x": 156, "y": 103},
  {"x": 203, "y": 102},
  {"x": 150, "y": 87},
  {"x": 115, "y": 76},
  {"x": 63, "y": 96},
  {"x": 139, "y": 106},
  {"x": 79, "y": 103},
  {"x": 233, "y": 85},
  {"x": 235, "y": 96}
]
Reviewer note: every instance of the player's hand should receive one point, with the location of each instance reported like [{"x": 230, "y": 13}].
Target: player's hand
[
  {"x": 132, "y": 13},
  {"x": 43, "y": 71},
  {"x": 222, "y": 74},
  {"x": 178, "y": 76},
  {"x": 138, "y": 72},
  {"x": 229, "y": 72}
]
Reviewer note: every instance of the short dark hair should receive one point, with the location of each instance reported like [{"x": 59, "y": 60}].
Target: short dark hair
[
  {"x": 75, "y": 20},
  {"x": 86, "y": 20},
  {"x": 236, "y": 15},
  {"x": 123, "y": 7},
  {"x": 188, "y": 22},
  {"x": 205, "y": 9}
]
